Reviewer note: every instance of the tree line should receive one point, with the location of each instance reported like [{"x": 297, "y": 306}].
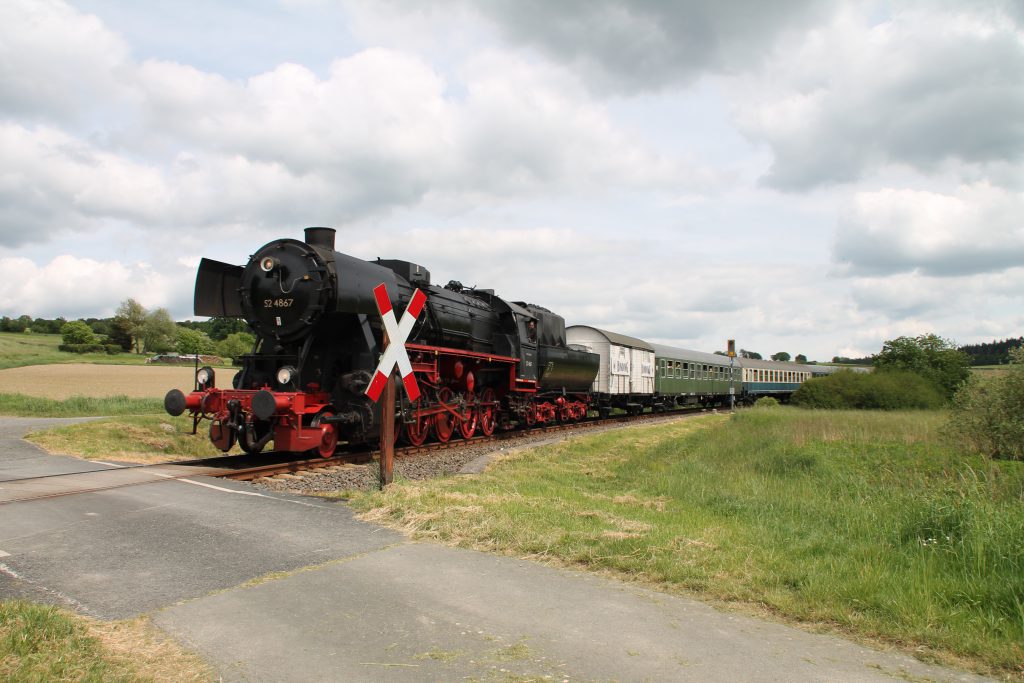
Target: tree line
[
  {"x": 993, "y": 352},
  {"x": 133, "y": 328}
]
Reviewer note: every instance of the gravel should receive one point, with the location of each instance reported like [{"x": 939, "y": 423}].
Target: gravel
[{"x": 460, "y": 459}]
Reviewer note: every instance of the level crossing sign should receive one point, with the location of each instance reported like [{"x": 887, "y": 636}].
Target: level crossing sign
[{"x": 395, "y": 353}]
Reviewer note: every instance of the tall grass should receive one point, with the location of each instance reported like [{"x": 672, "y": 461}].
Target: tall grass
[
  {"x": 868, "y": 521},
  {"x": 41, "y": 643},
  {"x": 77, "y": 406},
  {"x": 131, "y": 438}
]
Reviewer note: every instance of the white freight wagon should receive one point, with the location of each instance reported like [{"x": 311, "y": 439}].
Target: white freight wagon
[{"x": 627, "y": 363}]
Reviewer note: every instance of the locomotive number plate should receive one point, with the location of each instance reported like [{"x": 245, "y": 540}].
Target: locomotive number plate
[{"x": 277, "y": 303}]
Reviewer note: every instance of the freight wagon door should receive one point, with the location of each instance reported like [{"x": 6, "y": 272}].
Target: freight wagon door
[{"x": 620, "y": 369}]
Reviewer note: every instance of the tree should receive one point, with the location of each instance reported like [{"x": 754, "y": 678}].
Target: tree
[
  {"x": 987, "y": 411},
  {"x": 194, "y": 341},
  {"x": 236, "y": 345},
  {"x": 77, "y": 332},
  {"x": 131, "y": 318},
  {"x": 800, "y": 358},
  {"x": 930, "y": 356},
  {"x": 44, "y": 326},
  {"x": 120, "y": 333},
  {"x": 753, "y": 355},
  {"x": 781, "y": 356},
  {"x": 159, "y": 331}
]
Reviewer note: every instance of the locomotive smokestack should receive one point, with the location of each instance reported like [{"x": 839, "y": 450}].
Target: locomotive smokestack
[{"x": 320, "y": 237}]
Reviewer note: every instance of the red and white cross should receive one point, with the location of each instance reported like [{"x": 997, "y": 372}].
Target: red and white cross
[{"x": 396, "y": 353}]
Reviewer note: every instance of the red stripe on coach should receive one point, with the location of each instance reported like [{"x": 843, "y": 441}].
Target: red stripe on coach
[{"x": 380, "y": 293}]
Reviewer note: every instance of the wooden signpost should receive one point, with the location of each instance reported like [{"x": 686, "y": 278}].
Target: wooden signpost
[{"x": 395, "y": 355}]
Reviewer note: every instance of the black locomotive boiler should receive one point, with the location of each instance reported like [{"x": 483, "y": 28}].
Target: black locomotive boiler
[{"x": 481, "y": 362}]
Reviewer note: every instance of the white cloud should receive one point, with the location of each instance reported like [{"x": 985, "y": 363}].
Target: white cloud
[
  {"x": 52, "y": 182},
  {"x": 925, "y": 87},
  {"x": 79, "y": 287},
  {"x": 56, "y": 62},
  {"x": 979, "y": 228},
  {"x": 617, "y": 46}
]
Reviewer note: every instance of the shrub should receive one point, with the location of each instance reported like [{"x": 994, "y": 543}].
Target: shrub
[
  {"x": 83, "y": 348},
  {"x": 988, "y": 412},
  {"x": 77, "y": 333},
  {"x": 194, "y": 342},
  {"x": 893, "y": 390},
  {"x": 766, "y": 402},
  {"x": 236, "y": 345},
  {"x": 934, "y": 358}
]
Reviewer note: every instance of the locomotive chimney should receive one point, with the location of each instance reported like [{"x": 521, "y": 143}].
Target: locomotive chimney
[{"x": 320, "y": 237}]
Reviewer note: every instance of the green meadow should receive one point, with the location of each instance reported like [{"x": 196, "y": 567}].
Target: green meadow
[{"x": 868, "y": 523}]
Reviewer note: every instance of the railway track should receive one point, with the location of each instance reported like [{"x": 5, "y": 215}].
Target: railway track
[
  {"x": 292, "y": 467},
  {"x": 248, "y": 468}
]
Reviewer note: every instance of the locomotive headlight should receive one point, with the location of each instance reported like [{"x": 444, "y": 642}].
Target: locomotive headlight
[
  {"x": 205, "y": 377},
  {"x": 268, "y": 263},
  {"x": 286, "y": 374}
]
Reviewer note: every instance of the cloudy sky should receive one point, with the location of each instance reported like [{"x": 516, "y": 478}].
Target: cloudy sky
[{"x": 805, "y": 176}]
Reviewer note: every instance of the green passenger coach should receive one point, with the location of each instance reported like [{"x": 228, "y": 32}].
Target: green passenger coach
[{"x": 683, "y": 377}]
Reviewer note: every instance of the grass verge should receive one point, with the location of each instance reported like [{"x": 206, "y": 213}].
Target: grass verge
[
  {"x": 77, "y": 406},
  {"x": 862, "y": 521},
  {"x": 42, "y": 643},
  {"x": 136, "y": 438}
]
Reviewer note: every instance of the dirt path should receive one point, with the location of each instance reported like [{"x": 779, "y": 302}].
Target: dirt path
[{"x": 82, "y": 379}]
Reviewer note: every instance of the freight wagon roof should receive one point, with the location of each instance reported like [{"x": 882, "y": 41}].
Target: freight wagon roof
[
  {"x": 616, "y": 338},
  {"x": 675, "y": 353}
]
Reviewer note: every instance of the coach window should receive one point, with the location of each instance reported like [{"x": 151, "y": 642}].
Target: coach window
[{"x": 679, "y": 370}]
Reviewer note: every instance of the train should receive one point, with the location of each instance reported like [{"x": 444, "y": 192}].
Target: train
[{"x": 482, "y": 362}]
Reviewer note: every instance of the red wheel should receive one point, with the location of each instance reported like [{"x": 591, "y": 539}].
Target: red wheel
[
  {"x": 416, "y": 432},
  {"x": 467, "y": 427},
  {"x": 328, "y": 434},
  {"x": 444, "y": 422},
  {"x": 531, "y": 416},
  {"x": 488, "y": 412}
]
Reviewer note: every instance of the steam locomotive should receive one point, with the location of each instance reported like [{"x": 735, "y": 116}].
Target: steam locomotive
[{"x": 482, "y": 362}]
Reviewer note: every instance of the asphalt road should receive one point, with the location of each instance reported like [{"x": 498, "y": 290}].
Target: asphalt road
[{"x": 272, "y": 587}]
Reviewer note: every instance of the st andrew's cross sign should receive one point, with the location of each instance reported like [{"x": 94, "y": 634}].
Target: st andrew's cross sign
[{"x": 397, "y": 333}]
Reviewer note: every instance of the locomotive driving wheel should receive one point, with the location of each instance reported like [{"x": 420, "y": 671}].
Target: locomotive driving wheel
[
  {"x": 467, "y": 427},
  {"x": 530, "y": 416},
  {"x": 416, "y": 431},
  {"x": 328, "y": 434},
  {"x": 444, "y": 422},
  {"x": 488, "y": 419}
]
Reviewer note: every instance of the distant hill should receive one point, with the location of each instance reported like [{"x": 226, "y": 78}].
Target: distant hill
[{"x": 992, "y": 353}]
